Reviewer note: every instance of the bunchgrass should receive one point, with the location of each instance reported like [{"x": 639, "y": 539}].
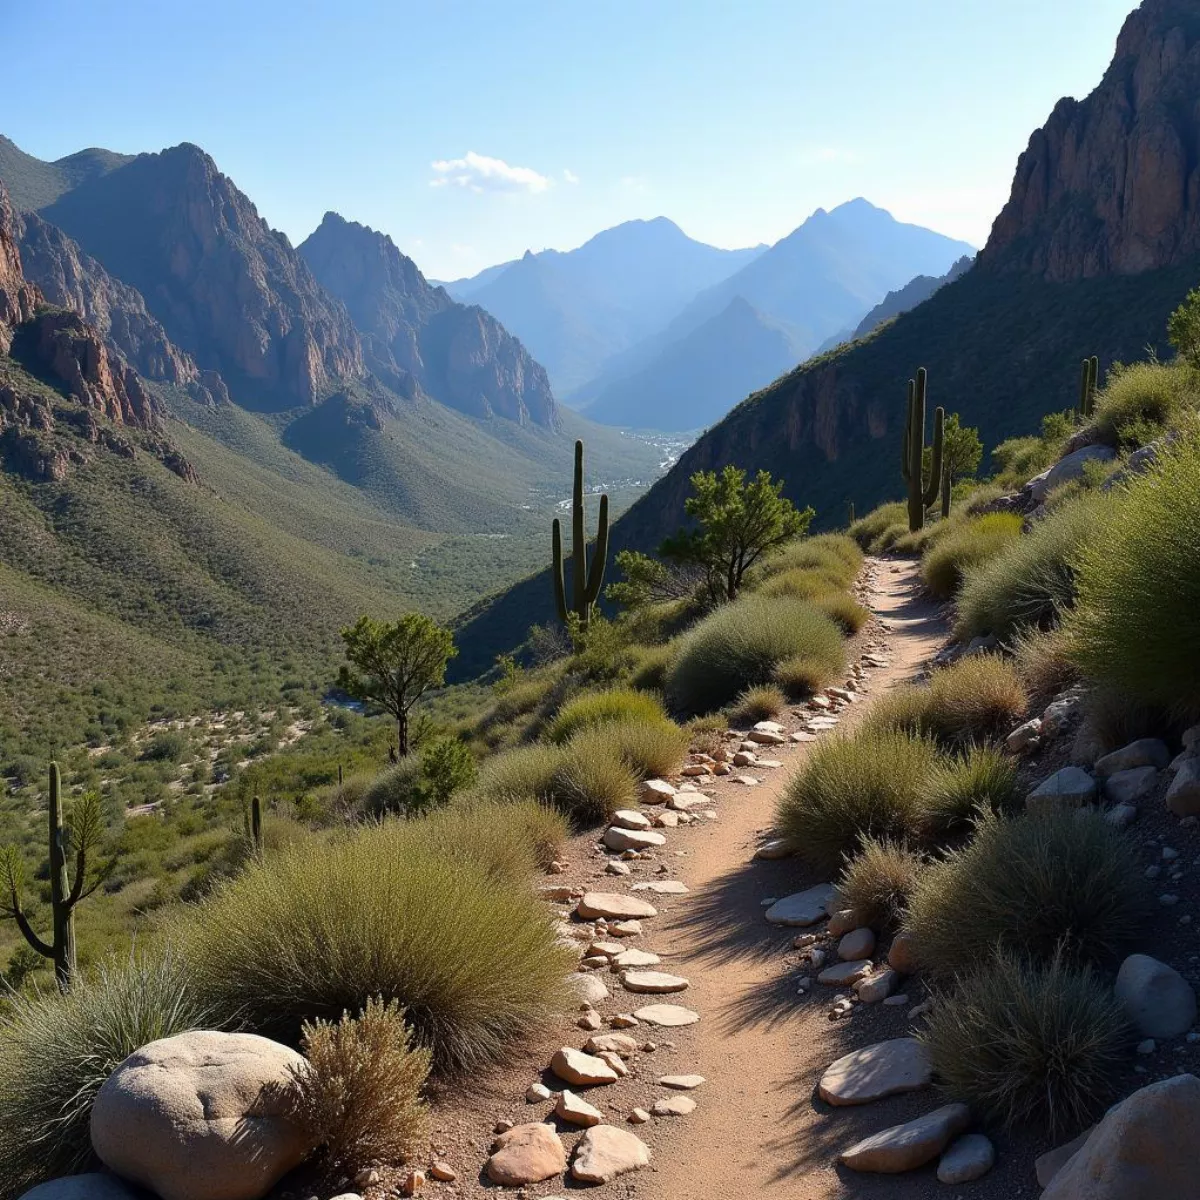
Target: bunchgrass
[
  {"x": 650, "y": 749},
  {"x": 968, "y": 544},
  {"x": 981, "y": 780},
  {"x": 876, "y": 882},
  {"x": 739, "y": 646},
  {"x": 1141, "y": 400},
  {"x": 844, "y": 610},
  {"x": 1030, "y": 884},
  {"x": 57, "y": 1049},
  {"x": 763, "y": 702},
  {"x": 592, "y": 782},
  {"x": 871, "y": 530},
  {"x": 383, "y": 912},
  {"x": 1027, "y": 1043},
  {"x": 596, "y": 708},
  {"x": 1043, "y": 661},
  {"x": 851, "y": 789}
]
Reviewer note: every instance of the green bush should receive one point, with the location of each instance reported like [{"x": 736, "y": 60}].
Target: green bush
[
  {"x": 832, "y": 556},
  {"x": 740, "y": 645},
  {"x": 1030, "y": 884},
  {"x": 398, "y": 789},
  {"x": 1141, "y": 400},
  {"x": 594, "y": 708},
  {"x": 1043, "y": 661},
  {"x": 763, "y": 702},
  {"x": 447, "y": 766},
  {"x": 802, "y": 675},
  {"x": 383, "y": 912},
  {"x": 507, "y": 839},
  {"x": 876, "y": 882},
  {"x": 56, "y": 1050},
  {"x": 974, "y": 700},
  {"x": 843, "y": 610},
  {"x": 591, "y": 783},
  {"x": 1029, "y": 1043},
  {"x": 525, "y": 773},
  {"x": 1031, "y": 581},
  {"x": 983, "y": 780},
  {"x": 1137, "y": 622},
  {"x": 849, "y": 789},
  {"x": 800, "y": 582},
  {"x": 650, "y": 749},
  {"x": 650, "y": 665},
  {"x": 869, "y": 529},
  {"x": 969, "y": 544}
]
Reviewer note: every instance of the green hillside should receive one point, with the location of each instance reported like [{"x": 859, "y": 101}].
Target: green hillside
[{"x": 33, "y": 183}]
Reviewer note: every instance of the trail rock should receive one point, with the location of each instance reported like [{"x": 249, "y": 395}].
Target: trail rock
[
  {"x": 635, "y": 958},
  {"x": 1047, "y": 1165},
  {"x": 605, "y": 1152},
  {"x": 588, "y": 988},
  {"x": 536, "y": 1093},
  {"x": 908, "y": 1146},
  {"x": 191, "y": 1117},
  {"x": 1144, "y": 1147},
  {"x": 1183, "y": 796},
  {"x": 583, "y": 1070},
  {"x": 667, "y": 1015},
  {"x": 775, "y": 848},
  {"x": 856, "y": 945},
  {"x": 869, "y": 1074},
  {"x": 1024, "y": 736},
  {"x": 576, "y": 1111},
  {"x": 630, "y": 818},
  {"x": 613, "y": 905},
  {"x": 611, "y": 1043},
  {"x": 802, "y": 908},
  {"x": 653, "y": 982},
  {"x": 1145, "y": 752},
  {"x": 1158, "y": 1000},
  {"x": 1072, "y": 786},
  {"x": 845, "y": 973},
  {"x": 673, "y": 1106},
  {"x": 875, "y": 988},
  {"x": 663, "y": 887},
  {"x": 526, "y": 1154},
  {"x": 902, "y": 954},
  {"x": 1066, "y": 469},
  {"x": 1128, "y": 787},
  {"x": 966, "y": 1158},
  {"x": 682, "y": 1083},
  {"x": 656, "y": 791},
  {"x": 616, "y": 838}
]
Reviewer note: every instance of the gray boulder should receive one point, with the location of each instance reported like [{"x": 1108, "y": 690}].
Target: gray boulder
[
  {"x": 1128, "y": 787},
  {"x": 1159, "y": 1001},
  {"x": 1068, "y": 468},
  {"x": 1072, "y": 787},
  {"x": 1183, "y": 796},
  {"x": 1145, "y": 752}
]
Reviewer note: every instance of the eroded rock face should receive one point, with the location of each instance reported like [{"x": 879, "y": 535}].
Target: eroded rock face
[
  {"x": 1110, "y": 184},
  {"x": 18, "y": 298}
]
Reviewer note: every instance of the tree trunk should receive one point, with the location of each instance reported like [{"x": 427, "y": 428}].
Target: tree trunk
[{"x": 402, "y": 734}]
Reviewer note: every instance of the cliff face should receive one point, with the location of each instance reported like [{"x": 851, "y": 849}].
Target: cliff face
[
  {"x": 1111, "y": 184},
  {"x": 413, "y": 331},
  {"x": 227, "y": 288},
  {"x": 18, "y": 299}
]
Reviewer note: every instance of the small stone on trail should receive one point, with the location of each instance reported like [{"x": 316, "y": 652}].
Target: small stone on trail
[
  {"x": 884, "y": 1069},
  {"x": 682, "y": 1083},
  {"x": 1148, "y": 1046},
  {"x": 1071, "y": 787},
  {"x": 589, "y": 1021},
  {"x": 656, "y": 791},
  {"x": 639, "y": 1116},
  {"x": 614, "y": 905},
  {"x": 802, "y": 908},
  {"x": 623, "y": 1021},
  {"x": 611, "y": 1043},
  {"x": 1155, "y": 997},
  {"x": 775, "y": 848},
  {"x": 625, "y": 929},
  {"x": 876, "y": 988},
  {"x": 616, "y": 838},
  {"x": 442, "y": 1171},
  {"x": 663, "y": 887},
  {"x": 746, "y": 780},
  {"x": 635, "y": 958},
  {"x": 856, "y": 945},
  {"x": 630, "y": 818},
  {"x": 605, "y": 1152},
  {"x": 615, "y": 1061},
  {"x": 577, "y": 1111},
  {"x": 502, "y": 1126},
  {"x": 966, "y": 1158},
  {"x": 666, "y": 1015},
  {"x": 536, "y": 1092},
  {"x": 588, "y": 988},
  {"x": 414, "y": 1181},
  {"x": 898, "y": 1001},
  {"x": 673, "y": 1106},
  {"x": 843, "y": 974},
  {"x": 526, "y": 1154},
  {"x": 655, "y": 982},
  {"x": 908, "y": 1146},
  {"x": 581, "y": 1069}
]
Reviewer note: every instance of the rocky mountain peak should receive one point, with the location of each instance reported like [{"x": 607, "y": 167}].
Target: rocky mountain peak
[
  {"x": 414, "y": 334},
  {"x": 1111, "y": 184}
]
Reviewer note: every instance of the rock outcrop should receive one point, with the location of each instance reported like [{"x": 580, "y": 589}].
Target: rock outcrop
[
  {"x": 18, "y": 298},
  {"x": 1111, "y": 184},
  {"x": 227, "y": 288},
  {"x": 414, "y": 332}
]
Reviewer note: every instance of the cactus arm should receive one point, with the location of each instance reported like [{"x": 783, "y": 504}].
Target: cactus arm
[
  {"x": 560, "y": 589},
  {"x": 578, "y": 544},
  {"x": 930, "y": 494},
  {"x": 599, "y": 556},
  {"x": 947, "y": 487},
  {"x": 1093, "y": 383},
  {"x": 1084, "y": 376}
]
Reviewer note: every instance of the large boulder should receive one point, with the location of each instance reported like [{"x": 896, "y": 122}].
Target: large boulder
[
  {"x": 1068, "y": 468},
  {"x": 1071, "y": 787},
  {"x": 1158, "y": 1000},
  {"x": 94, "y": 1185},
  {"x": 198, "y": 1117},
  {"x": 526, "y": 1154},
  {"x": 1144, "y": 1149}
]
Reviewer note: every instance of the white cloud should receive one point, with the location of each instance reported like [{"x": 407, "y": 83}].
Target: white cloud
[
  {"x": 569, "y": 176},
  {"x": 479, "y": 173}
]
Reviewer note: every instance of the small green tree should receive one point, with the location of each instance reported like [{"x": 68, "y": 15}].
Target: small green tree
[
  {"x": 1183, "y": 329},
  {"x": 394, "y": 663},
  {"x": 962, "y": 451},
  {"x": 650, "y": 581},
  {"x": 736, "y": 523},
  {"x": 447, "y": 766}
]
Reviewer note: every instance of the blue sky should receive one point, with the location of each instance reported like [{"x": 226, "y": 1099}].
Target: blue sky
[{"x": 472, "y": 129}]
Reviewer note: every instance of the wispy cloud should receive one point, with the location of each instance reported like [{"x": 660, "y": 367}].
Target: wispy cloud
[
  {"x": 569, "y": 176},
  {"x": 479, "y": 173}
]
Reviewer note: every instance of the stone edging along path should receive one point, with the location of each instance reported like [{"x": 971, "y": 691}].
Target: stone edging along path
[{"x": 690, "y": 965}]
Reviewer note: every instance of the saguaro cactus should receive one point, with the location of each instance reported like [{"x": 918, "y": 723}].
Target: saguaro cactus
[
  {"x": 79, "y": 839},
  {"x": 254, "y": 825},
  {"x": 1089, "y": 371},
  {"x": 920, "y": 496},
  {"x": 585, "y": 581}
]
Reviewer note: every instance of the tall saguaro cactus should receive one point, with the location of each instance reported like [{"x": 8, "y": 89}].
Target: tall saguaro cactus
[
  {"x": 920, "y": 496},
  {"x": 78, "y": 839},
  {"x": 585, "y": 581},
  {"x": 1089, "y": 371}
]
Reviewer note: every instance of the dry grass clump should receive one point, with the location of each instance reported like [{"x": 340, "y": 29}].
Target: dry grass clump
[
  {"x": 384, "y": 912},
  {"x": 740, "y": 645},
  {"x": 760, "y": 703},
  {"x": 1136, "y": 625},
  {"x": 968, "y": 544},
  {"x": 803, "y": 675},
  {"x": 521, "y": 835},
  {"x": 975, "y": 700},
  {"x": 358, "y": 1095},
  {"x": 804, "y": 583},
  {"x": 591, "y": 782},
  {"x": 650, "y": 664},
  {"x": 843, "y": 609},
  {"x": 1031, "y": 884},
  {"x": 56, "y": 1050},
  {"x": 1042, "y": 658},
  {"x": 596, "y": 708},
  {"x": 850, "y": 789},
  {"x": 1139, "y": 401},
  {"x": 983, "y": 780},
  {"x": 1025, "y": 1043},
  {"x": 875, "y": 883},
  {"x": 831, "y": 556},
  {"x": 524, "y": 773},
  {"x": 888, "y": 521},
  {"x": 650, "y": 749}
]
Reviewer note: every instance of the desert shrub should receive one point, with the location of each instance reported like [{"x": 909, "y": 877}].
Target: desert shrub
[
  {"x": 832, "y": 556},
  {"x": 591, "y": 783},
  {"x": 321, "y": 929},
  {"x": 650, "y": 664},
  {"x": 395, "y": 790},
  {"x": 802, "y": 675},
  {"x": 168, "y": 747},
  {"x": 967, "y": 545},
  {"x": 1137, "y": 621},
  {"x": 876, "y": 882},
  {"x": 983, "y": 780},
  {"x": 976, "y": 699},
  {"x": 843, "y": 610},
  {"x": 508, "y": 840},
  {"x": 1032, "y": 580},
  {"x": 869, "y": 528},
  {"x": 1023, "y": 1042},
  {"x": 850, "y": 789},
  {"x": 524, "y": 773},
  {"x": 593, "y": 708},
  {"x": 1042, "y": 658},
  {"x": 447, "y": 766},
  {"x": 1030, "y": 884},
  {"x": 740, "y": 645},
  {"x": 358, "y": 1095},
  {"x": 759, "y": 703},
  {"x": 57, "y": 1049},
  {"x": 1018, "y": 460},
  {"x": 649, "y": 749},
  {"x": 800, "y": 582},
  {"x": 890, "y": 537},
  {"x": 1140, "y": 400},
  {"x": 521, "y": 699}
]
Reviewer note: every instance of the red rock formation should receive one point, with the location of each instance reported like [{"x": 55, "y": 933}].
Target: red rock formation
[
  {"x": 1111, "y": 184},
  {"x": 18, "y": 299}
]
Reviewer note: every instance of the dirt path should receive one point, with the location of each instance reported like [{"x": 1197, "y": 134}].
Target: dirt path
[{"x": 757, "y": 1130}]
